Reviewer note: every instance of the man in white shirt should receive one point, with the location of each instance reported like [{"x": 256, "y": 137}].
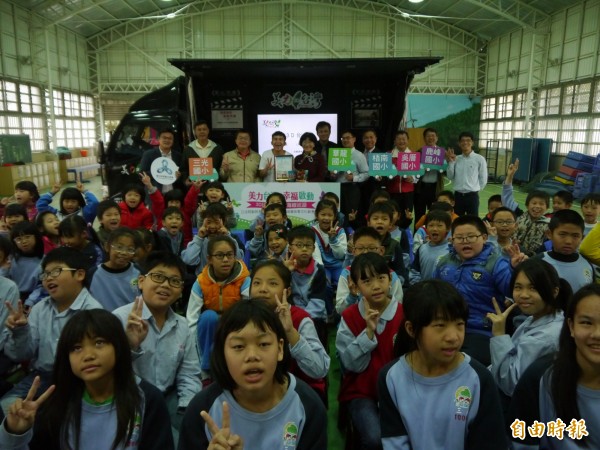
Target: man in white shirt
[
  {"x": 266, "y": 167},
  {"x": 469, "y": 175}
]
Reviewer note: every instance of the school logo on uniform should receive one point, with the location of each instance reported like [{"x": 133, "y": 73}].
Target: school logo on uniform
[
  {"x": 462, "y": 401},
  {"x": 290, "y": 436},
  {"x": 477, "y": 276}
]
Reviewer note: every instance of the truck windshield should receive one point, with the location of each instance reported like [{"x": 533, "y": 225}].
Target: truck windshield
[{"x": 134, "y": 138}]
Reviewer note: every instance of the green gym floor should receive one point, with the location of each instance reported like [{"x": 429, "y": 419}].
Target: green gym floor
[{"x": 336, "y": 439}]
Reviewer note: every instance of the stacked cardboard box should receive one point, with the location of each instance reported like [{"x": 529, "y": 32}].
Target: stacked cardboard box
[{"x": 44, "y": 174}]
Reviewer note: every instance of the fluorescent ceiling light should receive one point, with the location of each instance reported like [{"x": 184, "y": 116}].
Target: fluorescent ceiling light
[{"x": 415, "y": 1}]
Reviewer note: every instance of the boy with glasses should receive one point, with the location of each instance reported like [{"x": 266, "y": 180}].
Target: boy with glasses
[
  {"x": 34, "y": 338},
  {"x": 162, "y": 348},
  {"x": 480, "y": 272},
  {"x": 309, "y": 280},
  {"x": 502, "y": 227}
]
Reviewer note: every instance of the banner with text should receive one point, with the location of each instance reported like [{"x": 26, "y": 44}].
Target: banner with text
[{"x": 249, "y": 198}]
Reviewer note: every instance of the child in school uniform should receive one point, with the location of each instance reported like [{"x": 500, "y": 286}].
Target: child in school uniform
[
  {"x": 365, "y": 239},
  {"x": 72, "y": 201},
  {"x": 563, "y": 396},
  {"x": 438, "y": 225},
  {"x": 214, "y": 192},
  {"x": 223, "y": 282},
  {"x": 590, "y": 208},
  {"x": 214, "y": 218},
  {"x": 541, "y": 295},
  {"x": 34, "y": 337},
  {"x": 24, "y": 268},
  {"x": 502, "y": 227},
  {"x": 115, "y": 282},
  {"x": 380, "y": 217},
  {"x": 365, "y": 342},
  {"x": 479, "y": 271},
  {"x": 9, "y": 293},
  {"x": 254, "y": 403},
  {"x": 271, "y": 282},
  {"x": 274, "y": 213},
  {"x": 163, "y": 349},
  {"x": 309, "y": 279},
  {"x": 435, "y": 397},
  {"x": 565, "y": 231},
  {"x": 102, "y": 403},
  {"x": 171, "y": 234}
]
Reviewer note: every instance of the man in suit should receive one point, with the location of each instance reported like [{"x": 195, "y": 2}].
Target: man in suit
[
  {"x": 369, "y": 140},
  {"x": 166, "y": 138}
]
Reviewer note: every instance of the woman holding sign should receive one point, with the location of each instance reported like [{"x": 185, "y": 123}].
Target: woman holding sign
[
  {"x": 310, "y": 163},
  {"x": 401, "y": 189}
]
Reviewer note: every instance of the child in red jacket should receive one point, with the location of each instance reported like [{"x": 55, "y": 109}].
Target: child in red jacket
[{"x": 134, "y": 213}]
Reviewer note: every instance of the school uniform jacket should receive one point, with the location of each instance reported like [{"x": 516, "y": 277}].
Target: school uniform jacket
[
  {"x": 98, "y": 426},
  {"x": 297, "y": 422},
  {"x": 457, "y": 410},
  {"x": 362, "y": 357}
]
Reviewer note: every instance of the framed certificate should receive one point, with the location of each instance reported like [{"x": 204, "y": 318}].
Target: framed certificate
[{"x": 283, "y": 166}]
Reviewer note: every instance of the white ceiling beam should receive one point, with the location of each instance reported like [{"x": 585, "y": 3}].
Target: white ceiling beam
[
  {"x": 456, "y": 35},
  {"x": 516, "y": 11}
]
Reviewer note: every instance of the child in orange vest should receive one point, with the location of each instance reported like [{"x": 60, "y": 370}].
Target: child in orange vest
[{"x": 222, "y": 282}]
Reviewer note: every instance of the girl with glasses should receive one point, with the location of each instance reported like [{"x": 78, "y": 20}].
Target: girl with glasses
[{"x": 222, "y": 282}]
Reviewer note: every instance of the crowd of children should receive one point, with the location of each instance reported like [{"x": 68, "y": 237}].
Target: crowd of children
[{"x": 457, "y": 315}]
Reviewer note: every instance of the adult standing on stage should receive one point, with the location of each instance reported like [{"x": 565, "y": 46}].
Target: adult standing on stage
[
  {"x": 401, "y": 189},
  {"x": 241, "y": 164},
  {"x": 202, "y": 147},
  {"x": 427, "y": 187},
  {"x": 468, "y": 172}
]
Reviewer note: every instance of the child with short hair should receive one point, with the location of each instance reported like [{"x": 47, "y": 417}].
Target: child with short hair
[
  {"x": 223, "y": 281},
  {"x": 541, "y": 295},
  {"x": 480, "y": 272},
  {"x": 72, "y": 201},
  {"x": 77, "y": 234},
  {"x": 273, "y": 197},
  {"x": 214, "y": 192},
  {"x": 494, "y": 202},
  {"x": 380, "y": 218},
  {"x": 34, "y": 337},
  {"x": 171, "y": 234},
  {"x": 502, "y": 227},
  {"x": 27, "y": 195},
  {"x": 365, "y": 343},
  {"x": 561, "y": 200},
  {"x": 134, "y": 213},
  {"x": 163, "y": 349},
  {"x": 115, "y": 282},
  {"x": 257, "y": 405},
  {"x": 106, "y": 398},
  {"x": 421, "y": 235},
  {"x": 309, "y": 279},
  {"x": 24, "y": 269},
  {"x": 433, "y": 382},
  {"x": 275, "y": 213},
  {"x": 565, "y": 231},
  {"x": 47, "y": 223},
  {"x": 335, "y": 199},
  {"x": 366, "y": 239},
  {"x": 531, "y": 225},
  {"x": 438, "y": 225},
  {"x": 214, "y": 218},
  {"x": 13, "y": 214},
  {"x": 590, "y": 208},
  {"x": 108, "y": 214},
  {"x": 443, "y": 197}
]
